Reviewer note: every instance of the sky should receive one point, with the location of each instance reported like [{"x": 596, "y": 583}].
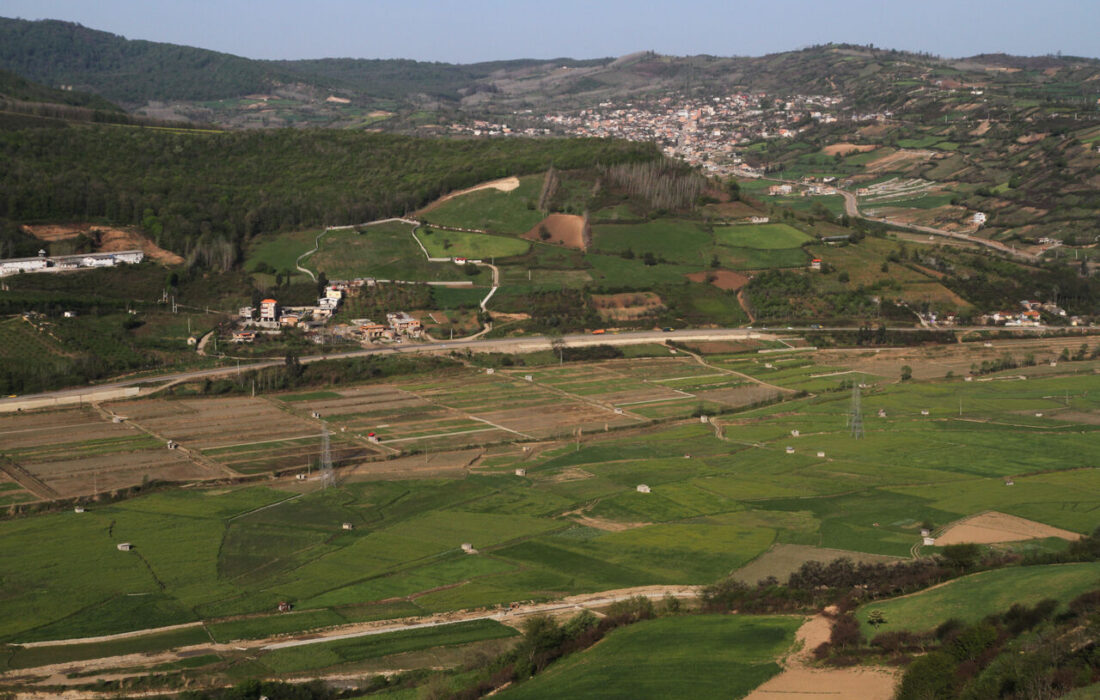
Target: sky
[{"x": 483, "y": 30}]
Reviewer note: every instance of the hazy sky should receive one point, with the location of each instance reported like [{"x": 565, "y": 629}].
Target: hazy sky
[{"x": 480, "y": 30}]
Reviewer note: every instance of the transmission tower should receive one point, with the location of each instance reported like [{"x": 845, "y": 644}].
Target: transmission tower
[
  {"x": 328, "y": 475},
  {"x": 855, "y": 417}
]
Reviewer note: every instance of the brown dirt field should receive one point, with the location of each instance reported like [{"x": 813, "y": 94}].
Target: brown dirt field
[
  {"x": 426, "y": 466},
  {"x": 731, "y": 210},
  {"x": 799, "y": 681},
  {"x": 994, "y": 527},
  {"x": 606, "y": 525},
  {"x": 739, "y": 395},
  {"x": 566, "y": 229},
  {"x": 983, "y": 127},
  {"x": 82, "y": 477},
  {"x": 723, "y": 279},
  {"x": 557, "y": 419},
  {"x": 112, "y": 240},
  {"x": 782, "y": 560},
  {"x": 897, "y": 160},
  {"x": 627, "y": 306},
  {"x": 846, "y": 149}
]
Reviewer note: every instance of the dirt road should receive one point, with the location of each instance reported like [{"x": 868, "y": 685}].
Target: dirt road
[{"x": 851, "y": 208}]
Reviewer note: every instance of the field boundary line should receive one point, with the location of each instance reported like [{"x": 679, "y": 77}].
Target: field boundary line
[
  {"x": 497, "y": 425},
  {"x": 432, "y": 436},
  {"x": 269, "y": 505}
]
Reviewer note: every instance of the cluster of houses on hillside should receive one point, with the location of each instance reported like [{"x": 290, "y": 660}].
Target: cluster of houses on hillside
[
  {"x": 61, "y": 263},
  {"x": 272, "y": 317},
  {"x": 1031, "y": 314}
]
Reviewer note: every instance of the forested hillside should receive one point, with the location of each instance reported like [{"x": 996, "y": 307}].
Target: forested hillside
[
  {"x": 56, "y": 53},
  {"x": 204, "y": 194},
  {"x": 14, "y": 87}
]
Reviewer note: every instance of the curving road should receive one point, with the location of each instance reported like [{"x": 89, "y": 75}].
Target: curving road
[{"x": 851, "y": 208}]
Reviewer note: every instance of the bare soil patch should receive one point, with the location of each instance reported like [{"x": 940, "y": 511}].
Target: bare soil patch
[
  {"x": 111, "y": 240},
  {"x": 983, "y": 127},
  {"x": 994, "y": 527},
  {"x": 566, "y": 229},
  {"x": 845, "y": 149},
  {"x": 799, "y": 681},
  {"x": 718, "y": 347},
  {"x": 898, "y": 160},
  {"x": 723, "y": 279},
  {"x": 627, "y": 306},
  {"x": 429, "y": 465}
]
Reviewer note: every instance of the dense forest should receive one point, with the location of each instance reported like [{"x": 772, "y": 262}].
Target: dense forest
[{"x": 203, "y": 195}]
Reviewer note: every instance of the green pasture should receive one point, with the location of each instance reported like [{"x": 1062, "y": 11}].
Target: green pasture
[
  {"x": 764, "y": 236},
  {"x": 382, "y": 251},
  {"x": 280, "y": 251},
  {"x": 706, "y": 656},
  {"x": 973, "y": 597},
  {"x": 492, "y": 209},
  {"x": 677, "y": 241},
  {"x": 479, "y": 246}
]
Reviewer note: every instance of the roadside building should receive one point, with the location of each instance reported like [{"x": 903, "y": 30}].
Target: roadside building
[{"x": 269, "y": 310}]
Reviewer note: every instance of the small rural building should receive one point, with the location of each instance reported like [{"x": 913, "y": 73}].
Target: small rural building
[
  {"x": 790, "y": 450},
  {"x": 820, "y": 454},
  {"x": 924, "y": 411},
  {"x": 373, "y": 437},
  {"x": 284, "y": 606},
  {"x": 929, "y": 541},
  {"x": 642, "y": 488},
  {"x": 401, "y": 322},
  {"x": 815, "y": 264},
  {"x": 468, "y": 548},
  {"x": 125, "y": 546},
  {"x": 371, "y": 330},
  {"x": 882, "y": 413},
  {"x": 347, "y": 526},
  {"x": 794, "y": 433},
  {"x": 78, "y": 509},
  {"x": 1009, "y": 482},
  {"x": 528, "y": 378},
  {"x": 244, "y": 336},
  {"x": 925, "y": 532},
  {"x": 521, "y": 472}
]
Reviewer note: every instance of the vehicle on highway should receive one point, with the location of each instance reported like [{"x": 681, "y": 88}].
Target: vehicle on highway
[
  {"x": 599, "y": 331},
  {"x": 667, "y": 329}
]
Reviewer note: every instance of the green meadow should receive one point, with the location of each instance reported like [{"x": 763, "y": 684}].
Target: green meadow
[
  {"x": 491, "y": 209},
  {"x": 705, "y": 656}
]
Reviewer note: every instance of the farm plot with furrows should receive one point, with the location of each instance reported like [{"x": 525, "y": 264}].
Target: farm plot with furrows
[
  {"x": 24, "y": 430},
  {"x": 483, "y": 435},
  {"x": 558, "y": 419},
  {"x": 115, "y": 470},
  {"x": 276, "y": 455},
  {"x": 211, "y": 423}
]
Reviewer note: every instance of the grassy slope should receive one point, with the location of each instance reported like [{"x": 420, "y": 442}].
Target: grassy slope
[
  {"x": 973, "y": 597},
  {"x": 491, "y": 209},
  {"x": 680, "y": 657}
]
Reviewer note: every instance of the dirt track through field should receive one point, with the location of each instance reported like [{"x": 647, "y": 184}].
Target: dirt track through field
[
  {"x": 506, "y": 184},
  {"x": 512, "y": 617},
  {"x": 800, "y": 681}
]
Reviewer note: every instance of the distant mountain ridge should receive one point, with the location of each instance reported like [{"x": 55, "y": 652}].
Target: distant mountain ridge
[{"x": 136, "y": 72}]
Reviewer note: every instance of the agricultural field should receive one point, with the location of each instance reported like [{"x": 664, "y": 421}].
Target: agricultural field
[
  {"x": 385, "y": 251},
  {"x": 280, "y": 253},
  {"x": 82, "y": 452},
  {"x": 971, "y": 598},
  {"x": 706, "y": 656},
  {"x": 723, "y": 495},
  {"x": 441, "y": 243},
  {"x": 491, "y": 209}
]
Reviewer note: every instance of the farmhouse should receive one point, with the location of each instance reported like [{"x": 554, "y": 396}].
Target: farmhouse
[
  {"x": 643, "y": 488},
  {"x": 14, "y": 265},
  {"x": 401, "y": 322},
  {"x": 125, "y": 546}
]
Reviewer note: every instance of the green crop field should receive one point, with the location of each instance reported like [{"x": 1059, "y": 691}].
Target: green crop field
[
  {"x": 383, "y": 251},
  {"x": 281, "y": 251},
  {"x": 492, "y": 209},
  {"x": 765, "y": 236},
  {"x": 674, "y": 240},
  {"x": 707, "y": 656},
  {"x": 447, "y": 244},
  {"x": 973, "y": 597}
]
